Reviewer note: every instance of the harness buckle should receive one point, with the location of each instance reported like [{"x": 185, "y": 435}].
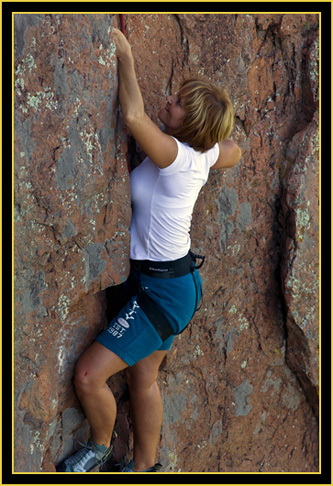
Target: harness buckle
[{"x": 196, "y": 257}]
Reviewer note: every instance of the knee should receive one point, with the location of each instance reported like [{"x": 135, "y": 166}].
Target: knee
[{"x": 84, "y": 380}]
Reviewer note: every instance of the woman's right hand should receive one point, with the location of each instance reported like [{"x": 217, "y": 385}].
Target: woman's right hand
[{"x": 123, "y": 47}]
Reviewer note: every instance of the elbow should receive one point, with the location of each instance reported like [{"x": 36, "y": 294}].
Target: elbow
[
  {"x": 128, "y": 118},
  {"x": 238, "y": 155},
  {"x": 132, "y": 118}
]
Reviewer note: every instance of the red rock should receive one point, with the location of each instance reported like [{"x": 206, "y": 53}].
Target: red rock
[
  {"x": 240, "y": 384},
  {"x": 72, "y": 214}
]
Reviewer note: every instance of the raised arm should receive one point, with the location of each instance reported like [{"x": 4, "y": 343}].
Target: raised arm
[{"x": 159, "y": 147}]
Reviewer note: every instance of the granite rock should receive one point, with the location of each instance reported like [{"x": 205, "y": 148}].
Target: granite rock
[
  {"x": 72, "y": 216},
  {"x": 240, "y": 385}
]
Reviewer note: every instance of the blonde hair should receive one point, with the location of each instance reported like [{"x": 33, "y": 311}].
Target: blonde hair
[{"x": 209, "y": 114}]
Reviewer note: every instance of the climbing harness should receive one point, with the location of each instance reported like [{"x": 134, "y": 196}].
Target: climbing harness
[
  {"x": 169, "y": 269},
  {"x": 196, "y": 257}
]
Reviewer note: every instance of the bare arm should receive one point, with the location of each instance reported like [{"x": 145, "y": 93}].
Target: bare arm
[
  {"x": 159, "y": 147},
  {"x": 230, "y": 155},
  {"x": 130, "y": 97}
]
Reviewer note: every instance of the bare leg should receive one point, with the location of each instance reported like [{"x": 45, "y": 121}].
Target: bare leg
[
  {"x": 92, "y": 370},
  {"x": 146, "y": 409}
]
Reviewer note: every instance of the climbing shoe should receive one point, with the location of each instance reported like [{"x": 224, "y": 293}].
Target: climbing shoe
[
  {"x": 86, "y": 459},
  {"x": 129, "y": 468}
]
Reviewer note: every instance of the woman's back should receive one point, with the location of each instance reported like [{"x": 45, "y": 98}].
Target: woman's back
[{"x": 163, "y": 202}]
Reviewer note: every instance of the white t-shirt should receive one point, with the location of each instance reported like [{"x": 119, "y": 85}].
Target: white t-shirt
[{"x": 163, "y": 202}]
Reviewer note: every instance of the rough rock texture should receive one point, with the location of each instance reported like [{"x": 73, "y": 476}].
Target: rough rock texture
[
  {"x": 72, "y": 214},
  {"x": 240, "y": 385}
]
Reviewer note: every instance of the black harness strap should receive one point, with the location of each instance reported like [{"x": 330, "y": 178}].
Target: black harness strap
[
  {"x": 155, "y": 314},
  {"x": 167, "y": 269}
]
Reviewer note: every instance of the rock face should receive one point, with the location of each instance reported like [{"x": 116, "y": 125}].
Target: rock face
[
  {"x": 240, "y": 385},
  {"x": 72, "y": 214}
]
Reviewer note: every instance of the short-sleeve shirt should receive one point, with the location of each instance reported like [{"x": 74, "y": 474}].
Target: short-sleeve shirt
[{"x": 163, "y": 201}]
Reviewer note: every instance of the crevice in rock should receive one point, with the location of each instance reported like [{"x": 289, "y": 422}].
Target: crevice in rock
[
  {"x": 299, "y": 89},
  {"x": 184, "y": 40},
  {"x": 296, "y": 345},
  {"x": 297, "y": 350},
  {"x": 134, "y": 153},
  {"x": 301, "y": 96}
]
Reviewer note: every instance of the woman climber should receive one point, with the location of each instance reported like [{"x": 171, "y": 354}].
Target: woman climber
[{"x": 164, "y": 286}]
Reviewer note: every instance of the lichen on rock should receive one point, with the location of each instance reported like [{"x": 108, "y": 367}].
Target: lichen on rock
[{"x": 240, "y": 384}]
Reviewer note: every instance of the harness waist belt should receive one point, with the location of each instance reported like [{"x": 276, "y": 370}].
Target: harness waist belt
[{"x": 169, "y": 269}]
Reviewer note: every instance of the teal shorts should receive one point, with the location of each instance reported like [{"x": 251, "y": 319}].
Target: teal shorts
[{"x": 130, "y": 334}]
